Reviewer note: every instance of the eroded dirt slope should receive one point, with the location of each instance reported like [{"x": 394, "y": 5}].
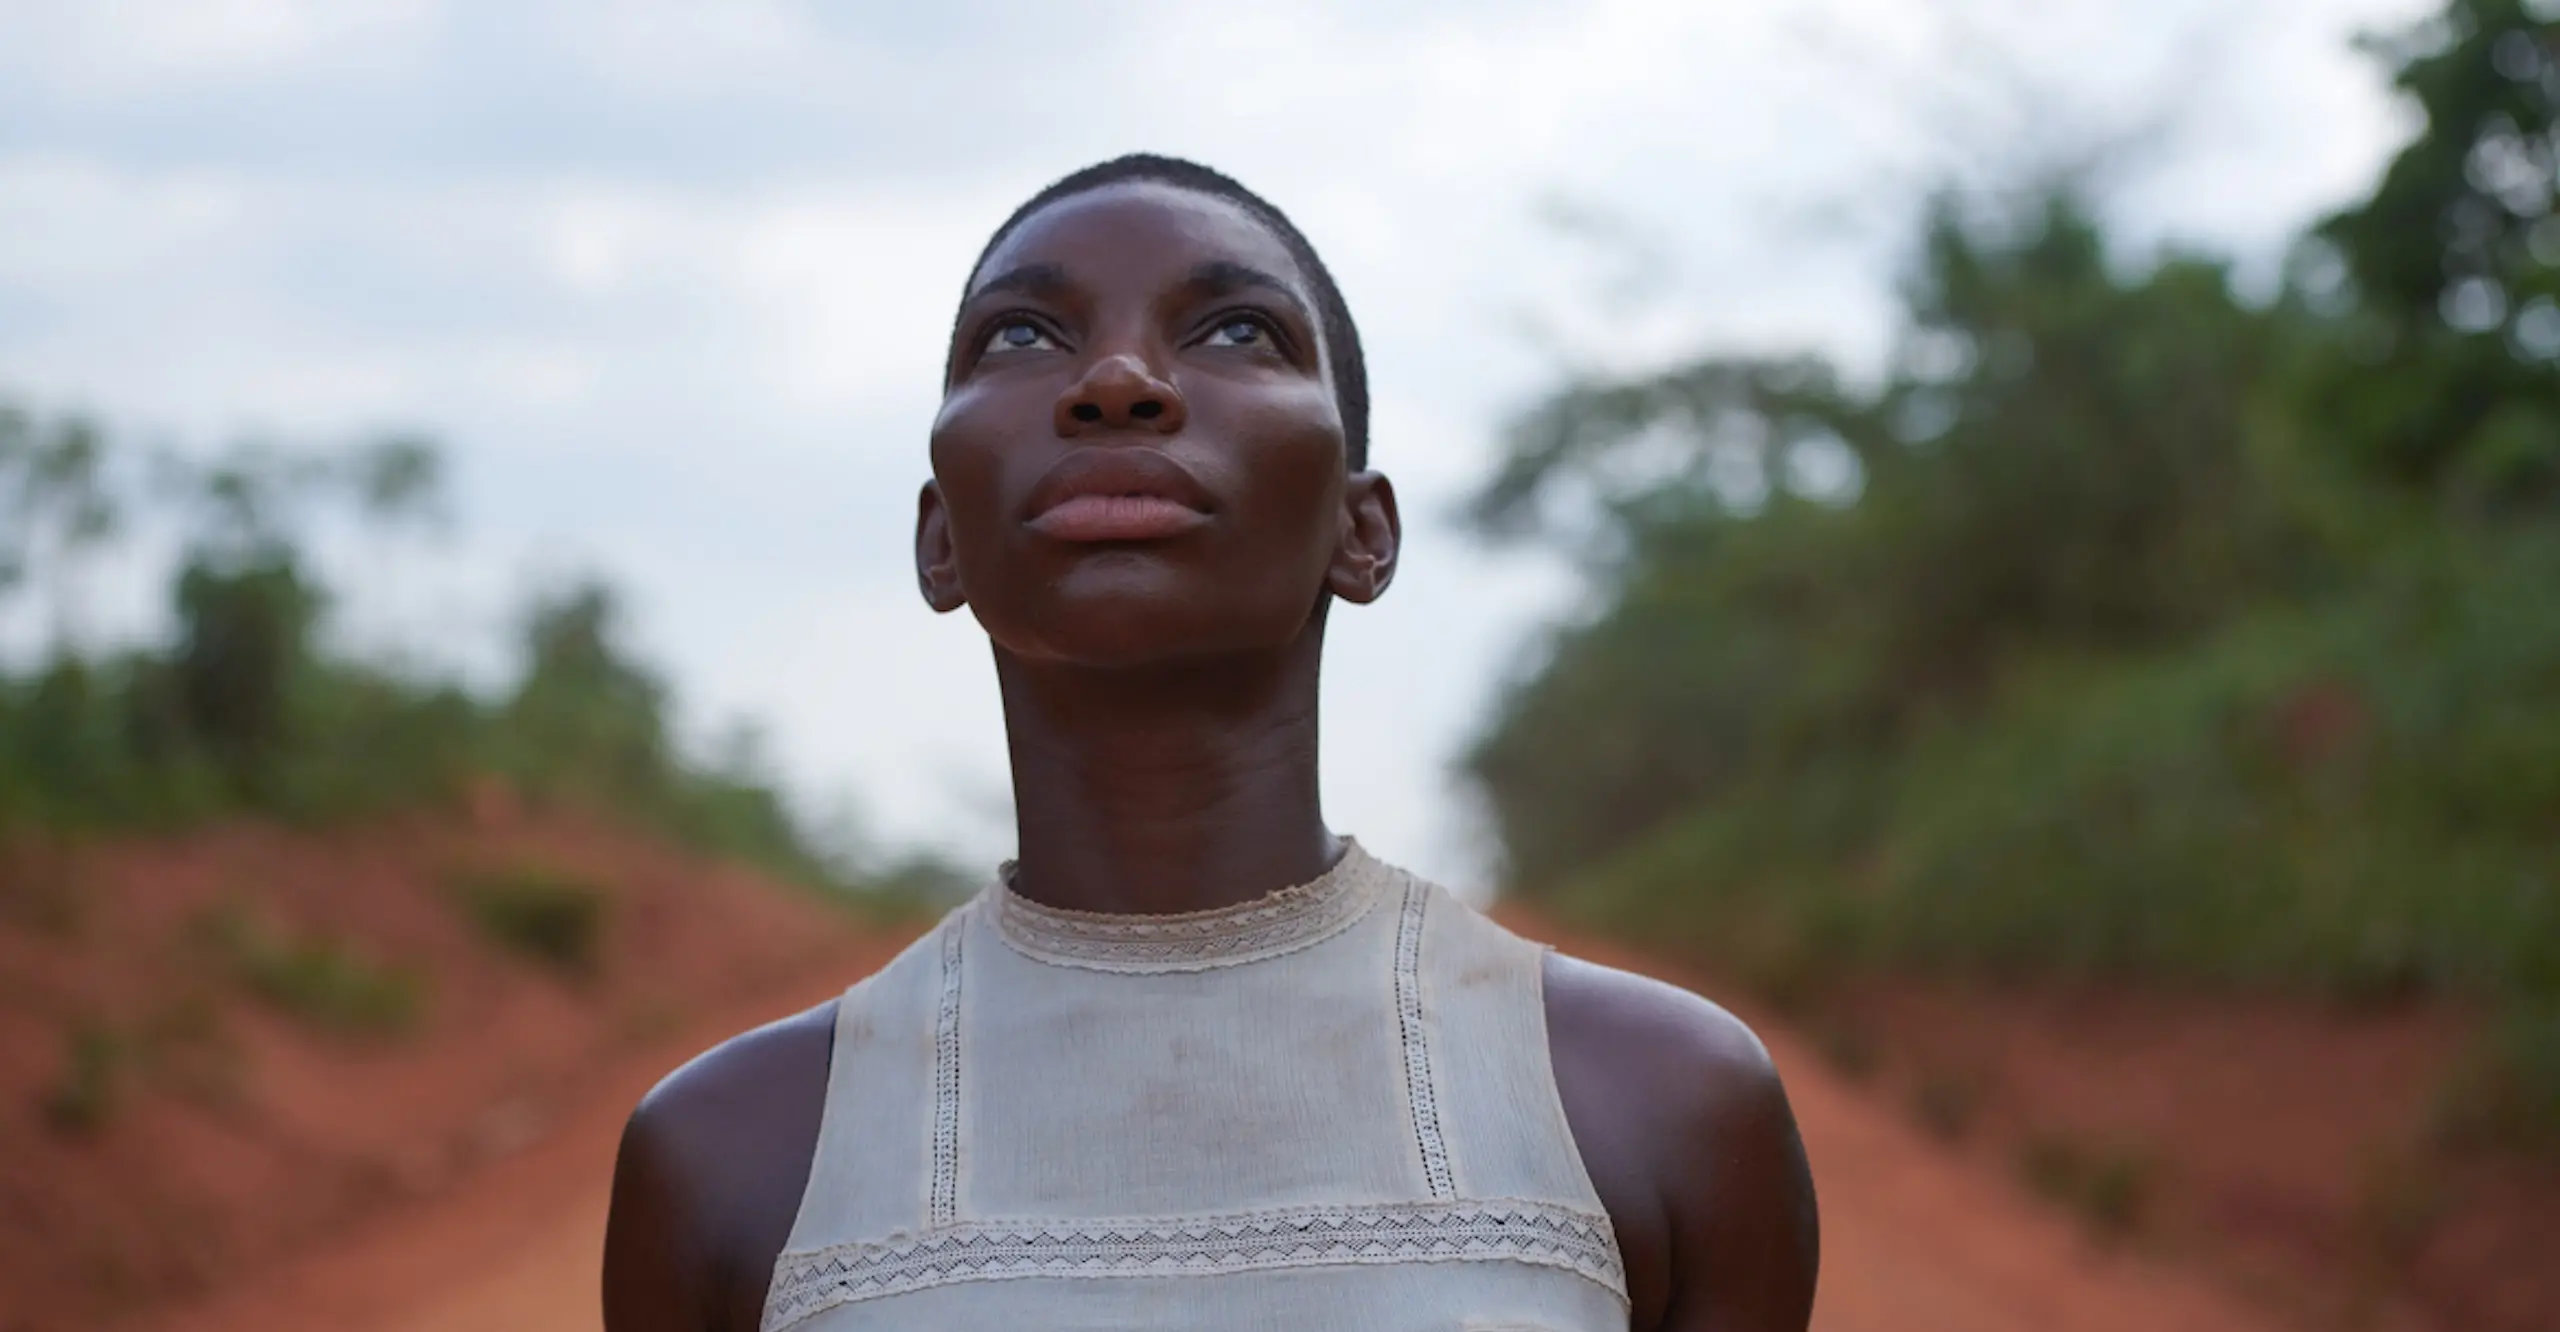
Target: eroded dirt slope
[{"x": 223, "y": 1049}]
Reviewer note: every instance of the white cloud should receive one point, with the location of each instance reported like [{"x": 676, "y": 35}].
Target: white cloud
[{"x": 121, "y": 48}]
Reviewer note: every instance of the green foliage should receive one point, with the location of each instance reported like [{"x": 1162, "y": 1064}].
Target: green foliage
[
  {"x": 585, "y": 718},
  {"x": 89, "y": 1090},
  {"x": 183, "y": 1044},
  {"x": 2510, "y": 1090},
  {"x": 318, "y": 978},
  {"x": 2124, "y": 629},
  {"x": 245, "y": 713},
  {"x": 2402, "y": 1200},
  {"x": 2446, "y": 375},
  {"x": 368, "y": 742},
  {"x": 2108, "y": 1186},
  {"x": 244, "y": 635},
  {"x": 2359, "y": 800},
  {"x": 2064, "y": 460},
  {"x": 1945, "y": 1104},
  {"x": 88, "y": 745},
  {"x": 54, "y": 496},
  {"x": 551, "y": 916}
]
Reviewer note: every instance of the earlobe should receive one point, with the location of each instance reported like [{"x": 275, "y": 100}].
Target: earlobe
[
  {"x": 1364, "y": 560},
  {"x": 937, "y": 559}
]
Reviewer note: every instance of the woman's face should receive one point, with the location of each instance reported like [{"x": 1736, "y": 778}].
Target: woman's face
[{"x": 1139, "y": 456}]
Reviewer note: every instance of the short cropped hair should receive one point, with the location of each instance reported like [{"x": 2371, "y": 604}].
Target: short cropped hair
[{"x": 1341, "y": 336}]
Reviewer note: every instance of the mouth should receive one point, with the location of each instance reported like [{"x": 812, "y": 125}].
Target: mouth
[
  {"x": 1117, "y": 518},
  {"x": 1118, "y": 494}
]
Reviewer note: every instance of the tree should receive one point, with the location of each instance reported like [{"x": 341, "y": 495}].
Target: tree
[
  {"x": 244, "y": 637},
  {"x": 1800, "y": 571},
  {"x": 56, "y": 509},
  {"x": 2450, "y": 377},
  {"x": 586, "y": 716}
]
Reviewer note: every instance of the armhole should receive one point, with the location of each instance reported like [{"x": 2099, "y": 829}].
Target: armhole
[
  {"x": 1509, "y": 1136},
  {"x": 866, "y": 1169},
  {"x": 825, "y": 1148},
  {"x": 1552, "y": 1092}
]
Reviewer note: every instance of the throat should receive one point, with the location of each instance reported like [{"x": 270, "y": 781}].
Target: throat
[{"x": 1166, "y": 796}]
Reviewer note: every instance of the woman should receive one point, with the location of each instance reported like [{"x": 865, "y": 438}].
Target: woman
[{"x": 1194, "y": 1061}]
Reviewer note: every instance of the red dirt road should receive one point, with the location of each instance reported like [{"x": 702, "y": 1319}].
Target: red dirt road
[{"x": 1914, "y": 1240}]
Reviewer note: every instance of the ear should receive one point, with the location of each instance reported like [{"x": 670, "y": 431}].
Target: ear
[
  {"x": 937, "y": 561},
  {"x": 1364, "y": 560}
]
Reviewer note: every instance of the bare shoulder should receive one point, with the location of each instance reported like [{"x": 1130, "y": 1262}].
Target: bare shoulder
[
  {"x": 742, "y": 1082},
  {"x": 709, "y": 1177},
  {"x": 1685, "y": 1128},
  {"x": 1695, "y": 1051}
]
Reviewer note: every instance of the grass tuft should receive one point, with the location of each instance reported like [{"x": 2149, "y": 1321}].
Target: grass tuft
[
  {"x": 1848, "y": 1048},
  {"x": 2108, "y": 1186},
  {"x": 552, "y": 916},
  {"x": 89, "y": 1090},
  {"x": 1945, "y": 1104},
  {"x": 2507, "y": 1091},
  {"x": 326, "y": 981}
]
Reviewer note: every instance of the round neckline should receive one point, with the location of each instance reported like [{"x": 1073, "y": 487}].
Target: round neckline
[{"x": 1282, "y": 921}]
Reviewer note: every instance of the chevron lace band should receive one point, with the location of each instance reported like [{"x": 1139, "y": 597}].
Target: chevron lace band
[{"x": 805, "y": 1284}]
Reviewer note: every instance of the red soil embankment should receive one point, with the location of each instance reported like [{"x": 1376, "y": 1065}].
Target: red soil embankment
[
  {"x": 2289, "y": 1150},
  {"x": 221, "y": 1050},
  {"x": 2293, "y": 1148},
  {"x": 517, "y": 1247}
]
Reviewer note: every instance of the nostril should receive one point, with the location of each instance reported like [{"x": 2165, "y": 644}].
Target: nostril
[
  {"x": 1146, "y": 409},
  {"x": 1085, "y": 411}
]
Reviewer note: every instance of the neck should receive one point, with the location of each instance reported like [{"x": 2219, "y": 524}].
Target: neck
[{"x": 1170, "y": 789}]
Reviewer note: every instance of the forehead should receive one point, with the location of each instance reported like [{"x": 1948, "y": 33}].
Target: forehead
[{"x": 1141, "y": 231}]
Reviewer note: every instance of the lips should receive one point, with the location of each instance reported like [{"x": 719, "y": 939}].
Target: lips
[{"x": 1119, "y": 494}]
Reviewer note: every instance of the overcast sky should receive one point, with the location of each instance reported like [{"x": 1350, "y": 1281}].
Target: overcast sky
[{"x": 671, "y": 280}]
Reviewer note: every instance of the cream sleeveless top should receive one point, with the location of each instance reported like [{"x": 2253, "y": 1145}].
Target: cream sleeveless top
[{"x": 1330, "y": 1109}]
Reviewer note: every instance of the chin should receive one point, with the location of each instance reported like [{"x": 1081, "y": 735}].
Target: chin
[{"x": 1118, "y": 629}]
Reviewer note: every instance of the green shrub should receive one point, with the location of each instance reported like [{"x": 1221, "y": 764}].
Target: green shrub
[
  {"x": 551, "y": 916},
  {"x": 323, "y": 980},
  {"x": 1945, "y": 1104},
  {"x": 1846, "y": 1047},
  {"x": 2508, "y": 1089},
  {"x": 189, "y": 1046},
  {"x": 88, "y": 1091},
  {"x": 2358, "y": 799},
  {"x": 2109, "y": 1187},
  {"x": 2402, "y": 1198},
  {"x": 247, "y": 711}
]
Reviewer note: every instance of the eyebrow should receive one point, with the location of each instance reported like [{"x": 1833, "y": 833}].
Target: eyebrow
[
  {"x": 1225, "y": 277},
  {"x": 1043, "y": 280}
]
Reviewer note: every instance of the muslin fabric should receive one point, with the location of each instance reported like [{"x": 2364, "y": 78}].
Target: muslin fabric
[{"x": 1328, "y": 1108}]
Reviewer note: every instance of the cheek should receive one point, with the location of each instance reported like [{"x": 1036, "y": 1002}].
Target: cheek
[
  {"x": 1295, "y": 484},
  {"x": 970, "y": 466}
]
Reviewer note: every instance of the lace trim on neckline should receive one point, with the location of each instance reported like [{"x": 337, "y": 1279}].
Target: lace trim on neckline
[
  {"x": 1268, "y": 926},
  {"x": 810, "y": 1282}
]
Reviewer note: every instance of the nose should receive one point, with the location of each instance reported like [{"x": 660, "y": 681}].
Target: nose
[{"x": 1119, "y": 392}]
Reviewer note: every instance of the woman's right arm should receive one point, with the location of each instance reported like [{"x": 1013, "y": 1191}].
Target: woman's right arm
[
  {"x": 656, "y": 1264},
  {"x": 709, "y": 1179}
]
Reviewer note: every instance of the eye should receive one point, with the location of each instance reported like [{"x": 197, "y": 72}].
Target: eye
[
  {"x": 1238, "y": 331},
  {"x": 1019, "y": 335}
]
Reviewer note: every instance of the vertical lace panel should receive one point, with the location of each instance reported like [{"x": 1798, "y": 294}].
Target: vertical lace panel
[
  {"x": 1417, "y": 1044},
  {"x": 943, "y": 1199}
]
